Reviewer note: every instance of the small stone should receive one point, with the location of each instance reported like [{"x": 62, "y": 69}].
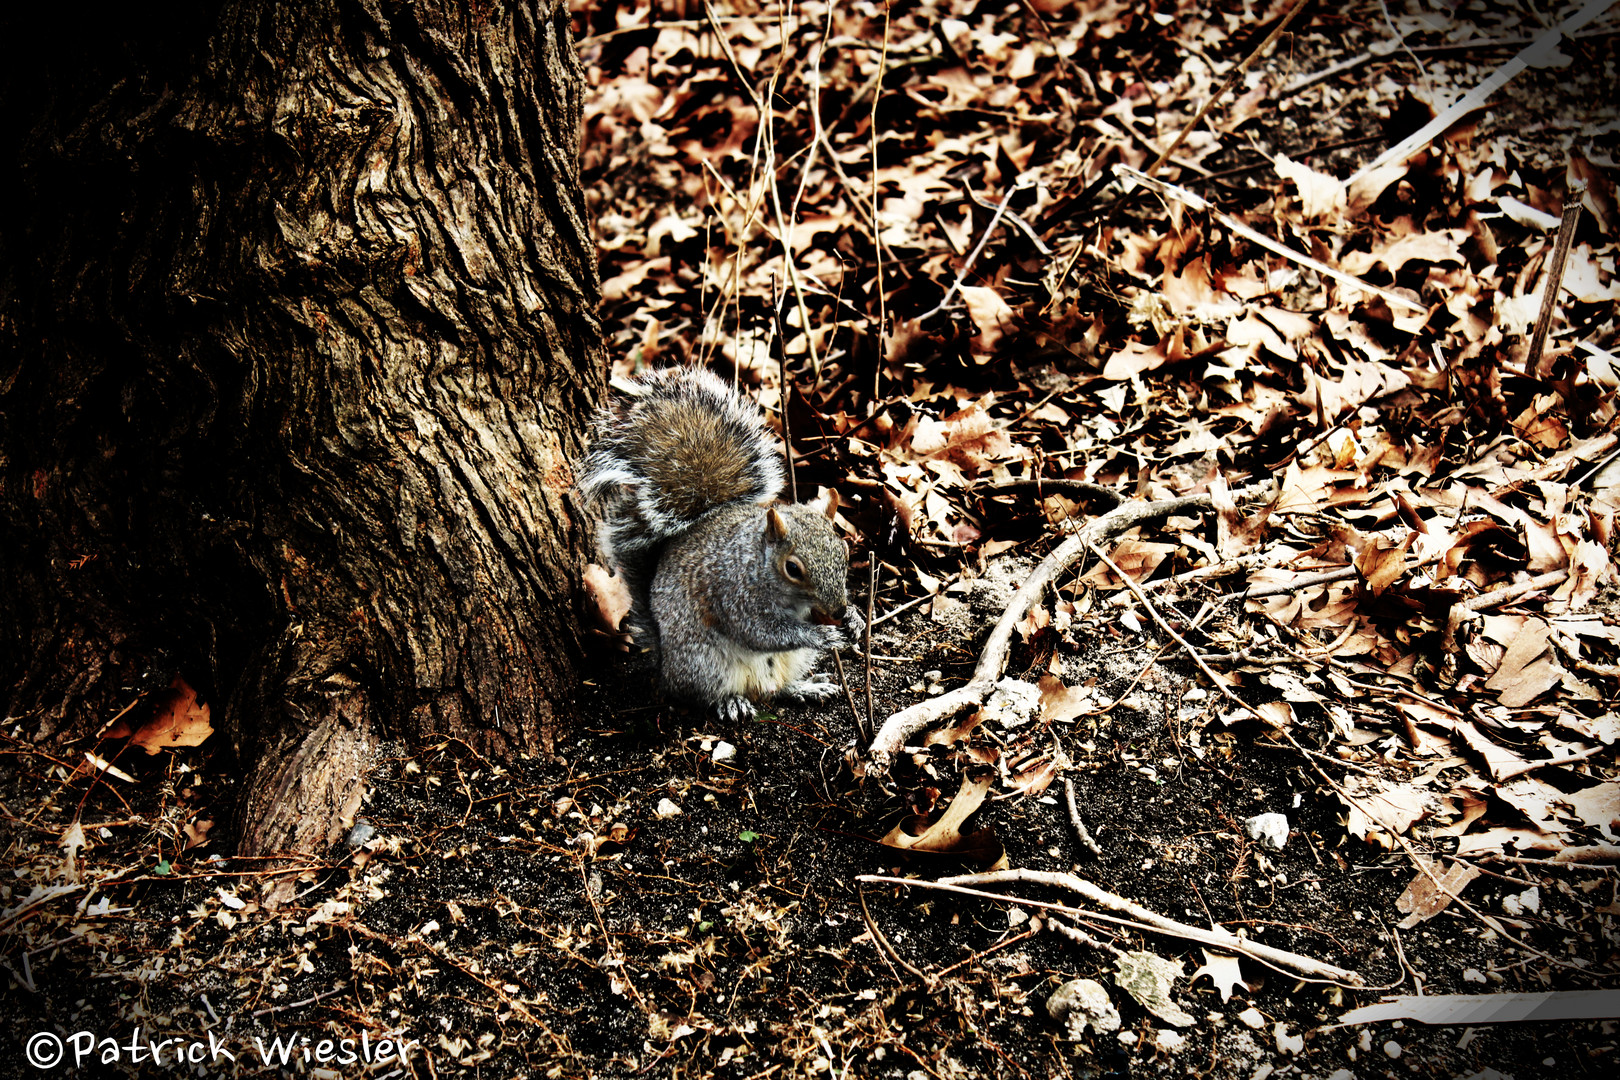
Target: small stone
[
  {"x": 1252, "y": 1017},
  {"x": 1171, "y": 1041},
  {"x": 1270, "y": 831},
  {"x": 667, "y": 808},
  {"x": 1080, "y": 1004},
  {"x": 1287, "y": 1043},
  {"x": 723, "y": 752},
  {"x": 1474, "y": 975},
  {"x": 1392, "y": 1049}
]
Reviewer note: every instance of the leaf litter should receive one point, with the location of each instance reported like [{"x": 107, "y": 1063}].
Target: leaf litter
[{"x": 1393, "y": 618}]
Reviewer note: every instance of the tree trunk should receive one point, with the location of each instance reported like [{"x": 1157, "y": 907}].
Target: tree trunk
[{"x": 297, "y": 340}]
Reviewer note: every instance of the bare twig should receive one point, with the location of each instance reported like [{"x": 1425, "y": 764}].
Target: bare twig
[
  {"x": 1554, "y": 279},
  {"x": 1508, "y": 772},
  {"x": 779, "y": 347},
  {"x": 1463, "y": 611},
  {"x": 885, "y": 949},
  {"x": 1081, "y": 833},
  {"x": 1541, "y": 49},
  {"x": 1045, "y": 483},
  {"x": 1470, "y": 46},
  {"x": 907, "y": 606},
  {"x": 1304, "y": 581},
  {"x": 1198, "y": 202},
  {"x": 1139, "y": 917},
  {"x": 849, "y": 696},
  {"x": 866, "y": 645},
  {"x": 1231, "y": 80},
  {"x": 1023, "y": 181},
  {"x": 877, "y": 225},
  {"x": 273, "y": 1009},
  {"x": 1080, "y": 937},
  {"x": 1270, "y": 556}
]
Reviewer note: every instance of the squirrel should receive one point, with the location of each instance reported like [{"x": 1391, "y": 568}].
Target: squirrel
[{"x": 735, "y": 593}]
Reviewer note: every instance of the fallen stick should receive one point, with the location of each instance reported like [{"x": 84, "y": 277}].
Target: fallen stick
[
  {"x": 1536, "y": 53},
  {"x": 889, "y": 740},
  {"x": 1139, "y": 917}
]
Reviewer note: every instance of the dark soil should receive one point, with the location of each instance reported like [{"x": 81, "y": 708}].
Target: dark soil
[{"x": 546, "y": 920}]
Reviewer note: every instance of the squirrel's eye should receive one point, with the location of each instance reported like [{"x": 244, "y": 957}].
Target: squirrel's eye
[{"x": 793, "y": 567}]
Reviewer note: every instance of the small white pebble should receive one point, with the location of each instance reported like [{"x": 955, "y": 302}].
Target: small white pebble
[
  {"x": 723, "y": 752},
  {"x": 1171, "y": 1041},
  {"x": 1286, "y": 1043},
  {"x": 1270, "y": 831},
  {"x": 1474, "y": 975},
  {"x": 667, "y": 808},
  {"x": 1252, "y": 1017},
  {"x": 1392, "y": 1049}
]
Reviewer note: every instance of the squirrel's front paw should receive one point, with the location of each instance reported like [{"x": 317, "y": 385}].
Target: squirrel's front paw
[
  {"x": 846, "y": 633},
  {"x": 818, "y": 687},
  {"x": 734, "y": 710}
]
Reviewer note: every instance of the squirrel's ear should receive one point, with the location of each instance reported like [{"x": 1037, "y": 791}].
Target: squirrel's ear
[
  {"x": 776, "y": 526},
  {"x": 825, "y": 503}
]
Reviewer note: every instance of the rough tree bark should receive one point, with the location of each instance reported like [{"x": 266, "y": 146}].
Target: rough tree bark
[{"x": 297, "y": 339}]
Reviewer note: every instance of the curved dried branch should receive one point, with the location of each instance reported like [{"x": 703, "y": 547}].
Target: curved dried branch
[{"x": 993, "y": 660}]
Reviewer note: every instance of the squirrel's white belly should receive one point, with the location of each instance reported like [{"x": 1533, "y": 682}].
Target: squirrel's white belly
[{"x": 758, "y": 675}]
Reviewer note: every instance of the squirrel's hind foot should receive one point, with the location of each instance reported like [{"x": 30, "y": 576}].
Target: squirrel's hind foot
[
  {"x": 818, "y": 687},
  {"x": 734, "y": 710}
]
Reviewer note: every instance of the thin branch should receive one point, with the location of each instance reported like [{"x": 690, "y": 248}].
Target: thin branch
[
  {"x": 1081, "y": 833},
  {"x": 1139, "y": 917},
  {"x": 1231, "y": 80},
  {"x": 1539, "y": 50},
  {"x": 1023, "y": 181},
  {"x": 1555, "y": 275},
  {"x": 1198, "y": 202}
]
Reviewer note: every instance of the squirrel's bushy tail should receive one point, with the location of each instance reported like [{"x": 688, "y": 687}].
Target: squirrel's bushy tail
[{"x": 675, "y": 445}]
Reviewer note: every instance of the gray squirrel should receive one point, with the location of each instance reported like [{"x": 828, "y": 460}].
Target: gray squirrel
[{"x": 737, "y": 594}]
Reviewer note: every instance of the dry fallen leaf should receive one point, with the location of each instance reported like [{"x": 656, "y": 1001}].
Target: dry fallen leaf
[
  {"x": 944, "y": 837},
  {"x": 72, "y": 843},
  {"x": 1149, "y": 979},
  {"x": 1224, "y": 971},
  {"x": 178, "y": 719},
  {"x": 1379, "y": 804},
  {"x": 1423, "y": 900}
]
